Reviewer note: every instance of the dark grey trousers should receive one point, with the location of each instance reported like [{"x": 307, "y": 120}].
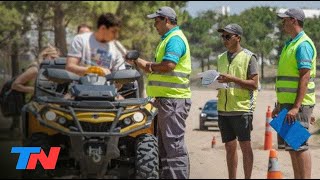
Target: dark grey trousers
[{"x": 171, "y": 124}]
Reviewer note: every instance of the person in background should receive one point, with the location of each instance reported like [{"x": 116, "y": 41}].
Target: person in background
[
  {"x": 83, "y": 28},
  {"x": 239, "y": 68},
  {"x": 295, "y": 86},
  {"x": 25, "y": 81}
]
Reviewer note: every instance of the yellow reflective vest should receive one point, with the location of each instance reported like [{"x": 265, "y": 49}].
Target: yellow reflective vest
[
  {"x": 288, "y": 74},
  {"x": 236, "y": 98},
  {"x": 175, "y": 84}
]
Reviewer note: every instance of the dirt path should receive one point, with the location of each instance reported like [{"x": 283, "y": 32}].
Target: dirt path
[{"x": 207, "y": 162}]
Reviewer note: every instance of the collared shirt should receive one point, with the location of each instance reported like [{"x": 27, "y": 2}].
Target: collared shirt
[
  {"x": 175, "y": 48},
  {"x": 305, "y": 52}
]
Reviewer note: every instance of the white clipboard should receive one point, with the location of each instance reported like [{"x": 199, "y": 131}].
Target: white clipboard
[{"x": 209, "y": 79}]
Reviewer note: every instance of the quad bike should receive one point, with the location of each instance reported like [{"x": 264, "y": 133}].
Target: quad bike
[{"x": 100, "y": 136}]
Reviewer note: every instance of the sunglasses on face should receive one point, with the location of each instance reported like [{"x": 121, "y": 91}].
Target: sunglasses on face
[{"x": 227, "y": 37}]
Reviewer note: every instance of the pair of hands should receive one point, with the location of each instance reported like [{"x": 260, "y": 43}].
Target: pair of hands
[
  {"x": 291, "y": 115},
  {"x": 225, "y": 78}
]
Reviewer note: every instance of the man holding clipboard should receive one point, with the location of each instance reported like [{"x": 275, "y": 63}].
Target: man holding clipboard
[{"x": 295, "y": 84}]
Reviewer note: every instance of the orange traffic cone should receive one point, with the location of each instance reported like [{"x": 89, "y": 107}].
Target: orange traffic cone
[
  {"x": 268, "y": 132},
  {"x": 213, "y": 142},
  {"x": 273, "y": 167}
]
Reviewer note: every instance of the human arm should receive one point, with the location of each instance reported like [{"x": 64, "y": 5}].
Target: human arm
[
  {"x": 73, "y": 66},
  {"x": 304, "y": 75},
  {"x": 304, "y": 56},
  {"x": 250, "y": 83},
  {"x": 148, "y": 67},
  {"x": 77, "y": 54},
  {"x": 175, "y": 49},
  {"x": 20, "y": 82}
]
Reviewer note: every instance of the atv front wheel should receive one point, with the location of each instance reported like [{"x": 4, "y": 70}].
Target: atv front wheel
[
  {"x": 147, "y": 157},
  {"x": 37, "y": 140}
]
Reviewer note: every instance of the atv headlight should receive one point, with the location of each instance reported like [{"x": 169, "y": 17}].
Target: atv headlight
[
  {"x": 50, "y": 115},
  {"x": 138, "y": 117}
]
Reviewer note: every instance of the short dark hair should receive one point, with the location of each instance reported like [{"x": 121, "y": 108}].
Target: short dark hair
[
  {"x": 300, "y": 23},
  {"x": 109, "y": 20},
  {"x": 83, "y": 25}
]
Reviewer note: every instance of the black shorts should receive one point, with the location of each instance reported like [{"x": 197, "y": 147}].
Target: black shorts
[{"x": 232, "y": 127}]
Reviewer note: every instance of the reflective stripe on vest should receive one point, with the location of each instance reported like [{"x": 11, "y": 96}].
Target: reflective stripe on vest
[
  {"x": 288, "y": 74},
  {"x": 235, "y": 97},
  {"x": 289, "y": 78},
  {"x": 294, "y": 90},
  {"x": 167, "y": 84},
  {"x": 175, "y": 84}
]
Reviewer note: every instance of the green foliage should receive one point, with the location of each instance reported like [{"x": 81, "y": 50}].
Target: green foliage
[
  {"x": 258, "y": 25},
  {"x": 202, "y": 39},
  {"x": 11, "y": 22},
  {"x": 91, "y": 10},
  {"x": 138, "y": 31},
  {"x": 262, "y": 28},
  {"x": 311, "y": 28}
]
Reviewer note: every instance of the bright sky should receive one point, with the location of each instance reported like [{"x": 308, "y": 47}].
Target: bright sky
[{"x": 237, "y": 7}]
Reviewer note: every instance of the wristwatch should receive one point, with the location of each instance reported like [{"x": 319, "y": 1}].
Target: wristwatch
[{"x": 149, "y": 67}]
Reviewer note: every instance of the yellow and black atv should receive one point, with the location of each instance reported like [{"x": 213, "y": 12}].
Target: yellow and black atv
[{"x": 100, "y": 136}]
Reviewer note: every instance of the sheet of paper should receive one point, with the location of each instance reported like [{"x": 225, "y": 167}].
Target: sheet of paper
[{"x": 208, "y": 79}]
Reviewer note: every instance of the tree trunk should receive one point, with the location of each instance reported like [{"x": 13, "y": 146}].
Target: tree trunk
[
  {"x": 15, "y": 59},
  {"x": 59, "y": 29},
  {"x": 208, "y": 63},
  {"x": 202, "y": 64},
  {"x": 40, "y": 35},
  {"x": 262, "y": 66}
]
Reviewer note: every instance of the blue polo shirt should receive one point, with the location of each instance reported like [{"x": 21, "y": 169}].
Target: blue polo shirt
[
  {"x": 175, "y": 48},
  {"x": 304, "y": 52}
]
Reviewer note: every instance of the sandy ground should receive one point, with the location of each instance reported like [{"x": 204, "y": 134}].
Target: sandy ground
[
  {"x": 206, "y": 162},
  {"x": 210, "y": 163}
]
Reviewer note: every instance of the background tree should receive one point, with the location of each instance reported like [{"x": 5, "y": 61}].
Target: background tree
[
  {"x": 138, "y": 31},
  {"x": 203, "y": 40},
  {"x": 14, "y": 26}
]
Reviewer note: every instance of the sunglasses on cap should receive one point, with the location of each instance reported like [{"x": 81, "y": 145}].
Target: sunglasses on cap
[{"x": 227, "y": 37}]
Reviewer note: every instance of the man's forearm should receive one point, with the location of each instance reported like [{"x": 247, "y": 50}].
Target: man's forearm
[
  {"x": 77, "y": 69},
  {"x": 142, "y": 64},
  {"x": 302, "y": 90},
  {"x": 248, "y": 84},
  {"x": 22, "y": 88}
]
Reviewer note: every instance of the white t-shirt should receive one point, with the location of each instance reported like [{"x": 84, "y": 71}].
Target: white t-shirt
[{"x": 91, "y": 52}]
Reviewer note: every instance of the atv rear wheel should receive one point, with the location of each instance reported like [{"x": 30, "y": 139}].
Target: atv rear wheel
[{"x": 147, "y": 157}]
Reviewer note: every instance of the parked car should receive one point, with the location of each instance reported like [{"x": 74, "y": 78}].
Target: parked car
[{"x": 209, "y": 115}]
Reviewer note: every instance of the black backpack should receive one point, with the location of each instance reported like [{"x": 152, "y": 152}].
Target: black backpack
[{"x": 11, "y": 101}]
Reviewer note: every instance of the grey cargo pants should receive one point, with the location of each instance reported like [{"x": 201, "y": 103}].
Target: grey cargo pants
[{"x": 171, "y": 124}]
